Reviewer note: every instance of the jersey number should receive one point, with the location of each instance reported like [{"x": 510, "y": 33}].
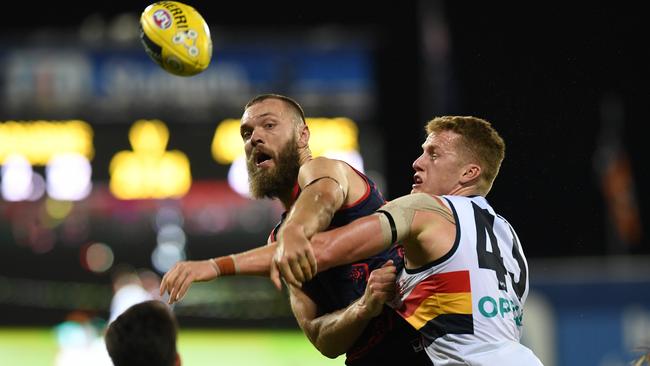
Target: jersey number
[{"x": 493, "y": 260}]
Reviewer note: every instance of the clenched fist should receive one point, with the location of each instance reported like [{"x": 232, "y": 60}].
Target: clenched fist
[{"x": 381, "y": 287}]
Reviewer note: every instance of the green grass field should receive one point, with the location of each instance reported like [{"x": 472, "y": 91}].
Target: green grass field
[{"x": 39, "y": 347}]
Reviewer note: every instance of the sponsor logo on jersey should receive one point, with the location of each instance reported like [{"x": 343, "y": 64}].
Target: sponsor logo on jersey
[{"x": 491, "y": 307}]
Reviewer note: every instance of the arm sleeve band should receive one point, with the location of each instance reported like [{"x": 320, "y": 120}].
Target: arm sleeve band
[
  {"x": 225, "y": 266},
  {"x": 398, "y": 214},
  {"x": 390, "y": 225}
]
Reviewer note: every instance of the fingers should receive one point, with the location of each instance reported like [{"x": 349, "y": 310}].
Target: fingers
[
  {"x": 183, "y": 288},
  {"x": 381, "y": 283},
  {"x": 312, "y": 268},
  {"x": 383, "y": 279},
  {"x": 173, "y": 293},
  {"x": 275, "y": 276},
  {"x": 168, "y": 280},
  {"x": 382, "y": 293},
  {"x": 295, "y": 269},
  {"x": 176, "y": 282},
  {"x": 163, "y": 285},
  {"x": 291, "y": 272}
]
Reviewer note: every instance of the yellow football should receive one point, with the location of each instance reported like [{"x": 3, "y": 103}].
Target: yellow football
[{"x": 176, "y": 37}]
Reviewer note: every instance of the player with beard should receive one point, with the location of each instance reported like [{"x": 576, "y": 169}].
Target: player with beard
[{"x": 318, "y": 194}]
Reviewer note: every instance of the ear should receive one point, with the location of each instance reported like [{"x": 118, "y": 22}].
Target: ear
[
  {"x": 303, "y": 137},
  {"x": 178, "y": 360},
  {"x": 471, "y": 172}
]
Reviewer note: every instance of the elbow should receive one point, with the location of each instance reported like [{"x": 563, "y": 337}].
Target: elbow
[
  {"x": 331, "y": 355},
  {"x": 328, "y": 351},
  {"x": 328, "y": 347}
]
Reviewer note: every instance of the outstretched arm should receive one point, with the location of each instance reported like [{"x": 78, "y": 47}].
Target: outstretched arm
[
  {"x": 360, "y": 239},
  {"x": 178, "y": 280},
  {"x": 347, "y": 244}
]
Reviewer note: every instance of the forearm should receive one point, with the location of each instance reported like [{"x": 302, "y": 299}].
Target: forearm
[
  {"x": 332, "y": 334},
  {"x": 358, "y": 240},
  {"x": 314, "y": 209},
  {"x": 252, "y": 262},
  {"x": 335, "y": 333}
]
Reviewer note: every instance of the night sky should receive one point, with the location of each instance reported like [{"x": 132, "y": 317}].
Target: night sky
[{"x": 538, "y": 72}]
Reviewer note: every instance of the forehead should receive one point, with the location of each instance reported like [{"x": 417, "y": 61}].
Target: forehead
[
  {"x": 440, "y": 140},
  {"x": 267, "y": 108}
]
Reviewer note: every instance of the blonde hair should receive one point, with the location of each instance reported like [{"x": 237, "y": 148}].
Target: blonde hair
[{"x": 480, "y": 142}]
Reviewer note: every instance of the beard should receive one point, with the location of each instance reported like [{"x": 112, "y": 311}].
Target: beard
[{"x": 276, "y": 181}]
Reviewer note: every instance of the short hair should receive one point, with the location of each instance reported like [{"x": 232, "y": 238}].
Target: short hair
[
  {"x": 479, "y": 139},
  {"x": 145, "y": 334},
  {"x": 293, "y": 104}
]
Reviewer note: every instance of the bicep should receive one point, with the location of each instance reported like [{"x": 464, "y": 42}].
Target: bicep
[
  {"x": 329, "y": 173},
  {"x": 319, "y": 200},
  {"x": 358, "y": 240}
]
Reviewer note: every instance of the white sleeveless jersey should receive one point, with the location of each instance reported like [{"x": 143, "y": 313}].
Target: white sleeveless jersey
[{"x": 468, "y": 305}]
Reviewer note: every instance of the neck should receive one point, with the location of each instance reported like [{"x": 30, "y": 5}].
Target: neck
[
  {"x": 287, "y": 200},
  {"x": 305, "y": 155},
  {"x": 286, "y": 197},
  {"x": 465, "y": 191}
]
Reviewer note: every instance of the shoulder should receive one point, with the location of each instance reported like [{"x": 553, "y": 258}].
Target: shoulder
[
  {"x": 422, "y": 202},
  {"x": 322, "y": 162},
  {"x": 323, "y": 167},
  {"x": 418, "y": 200}
]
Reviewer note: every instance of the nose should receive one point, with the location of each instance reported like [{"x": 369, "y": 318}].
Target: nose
[
  {"x": 256, "y": 137},
  {"x": 417, "y": 164}
]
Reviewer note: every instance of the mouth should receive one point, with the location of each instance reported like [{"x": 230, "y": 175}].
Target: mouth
[
  {"x": 262, "y": 159},
  {"x": 416, "y": 183}
]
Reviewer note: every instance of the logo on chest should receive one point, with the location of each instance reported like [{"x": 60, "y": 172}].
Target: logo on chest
[{"x": 359, "y": 272}]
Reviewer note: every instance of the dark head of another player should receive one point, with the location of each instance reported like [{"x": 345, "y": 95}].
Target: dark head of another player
[
  {"x": 460, "y": 156},
  {"x": 276, "y": 142},
  {"x": 145, "y": 334}
]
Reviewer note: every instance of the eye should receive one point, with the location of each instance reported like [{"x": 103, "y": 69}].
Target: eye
[
  {"x": 268, "y": 125},
  {"x": 246, "y": 135}
]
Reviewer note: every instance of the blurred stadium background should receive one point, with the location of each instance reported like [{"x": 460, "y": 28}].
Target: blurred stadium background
[{"x": 84, "y": 113}]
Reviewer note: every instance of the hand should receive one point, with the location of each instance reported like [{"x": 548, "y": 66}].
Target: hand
[
  {"x": 294, "y": 259},
  {"x": 179, "y": 279},
  {"x": 381, "y": 287}
]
